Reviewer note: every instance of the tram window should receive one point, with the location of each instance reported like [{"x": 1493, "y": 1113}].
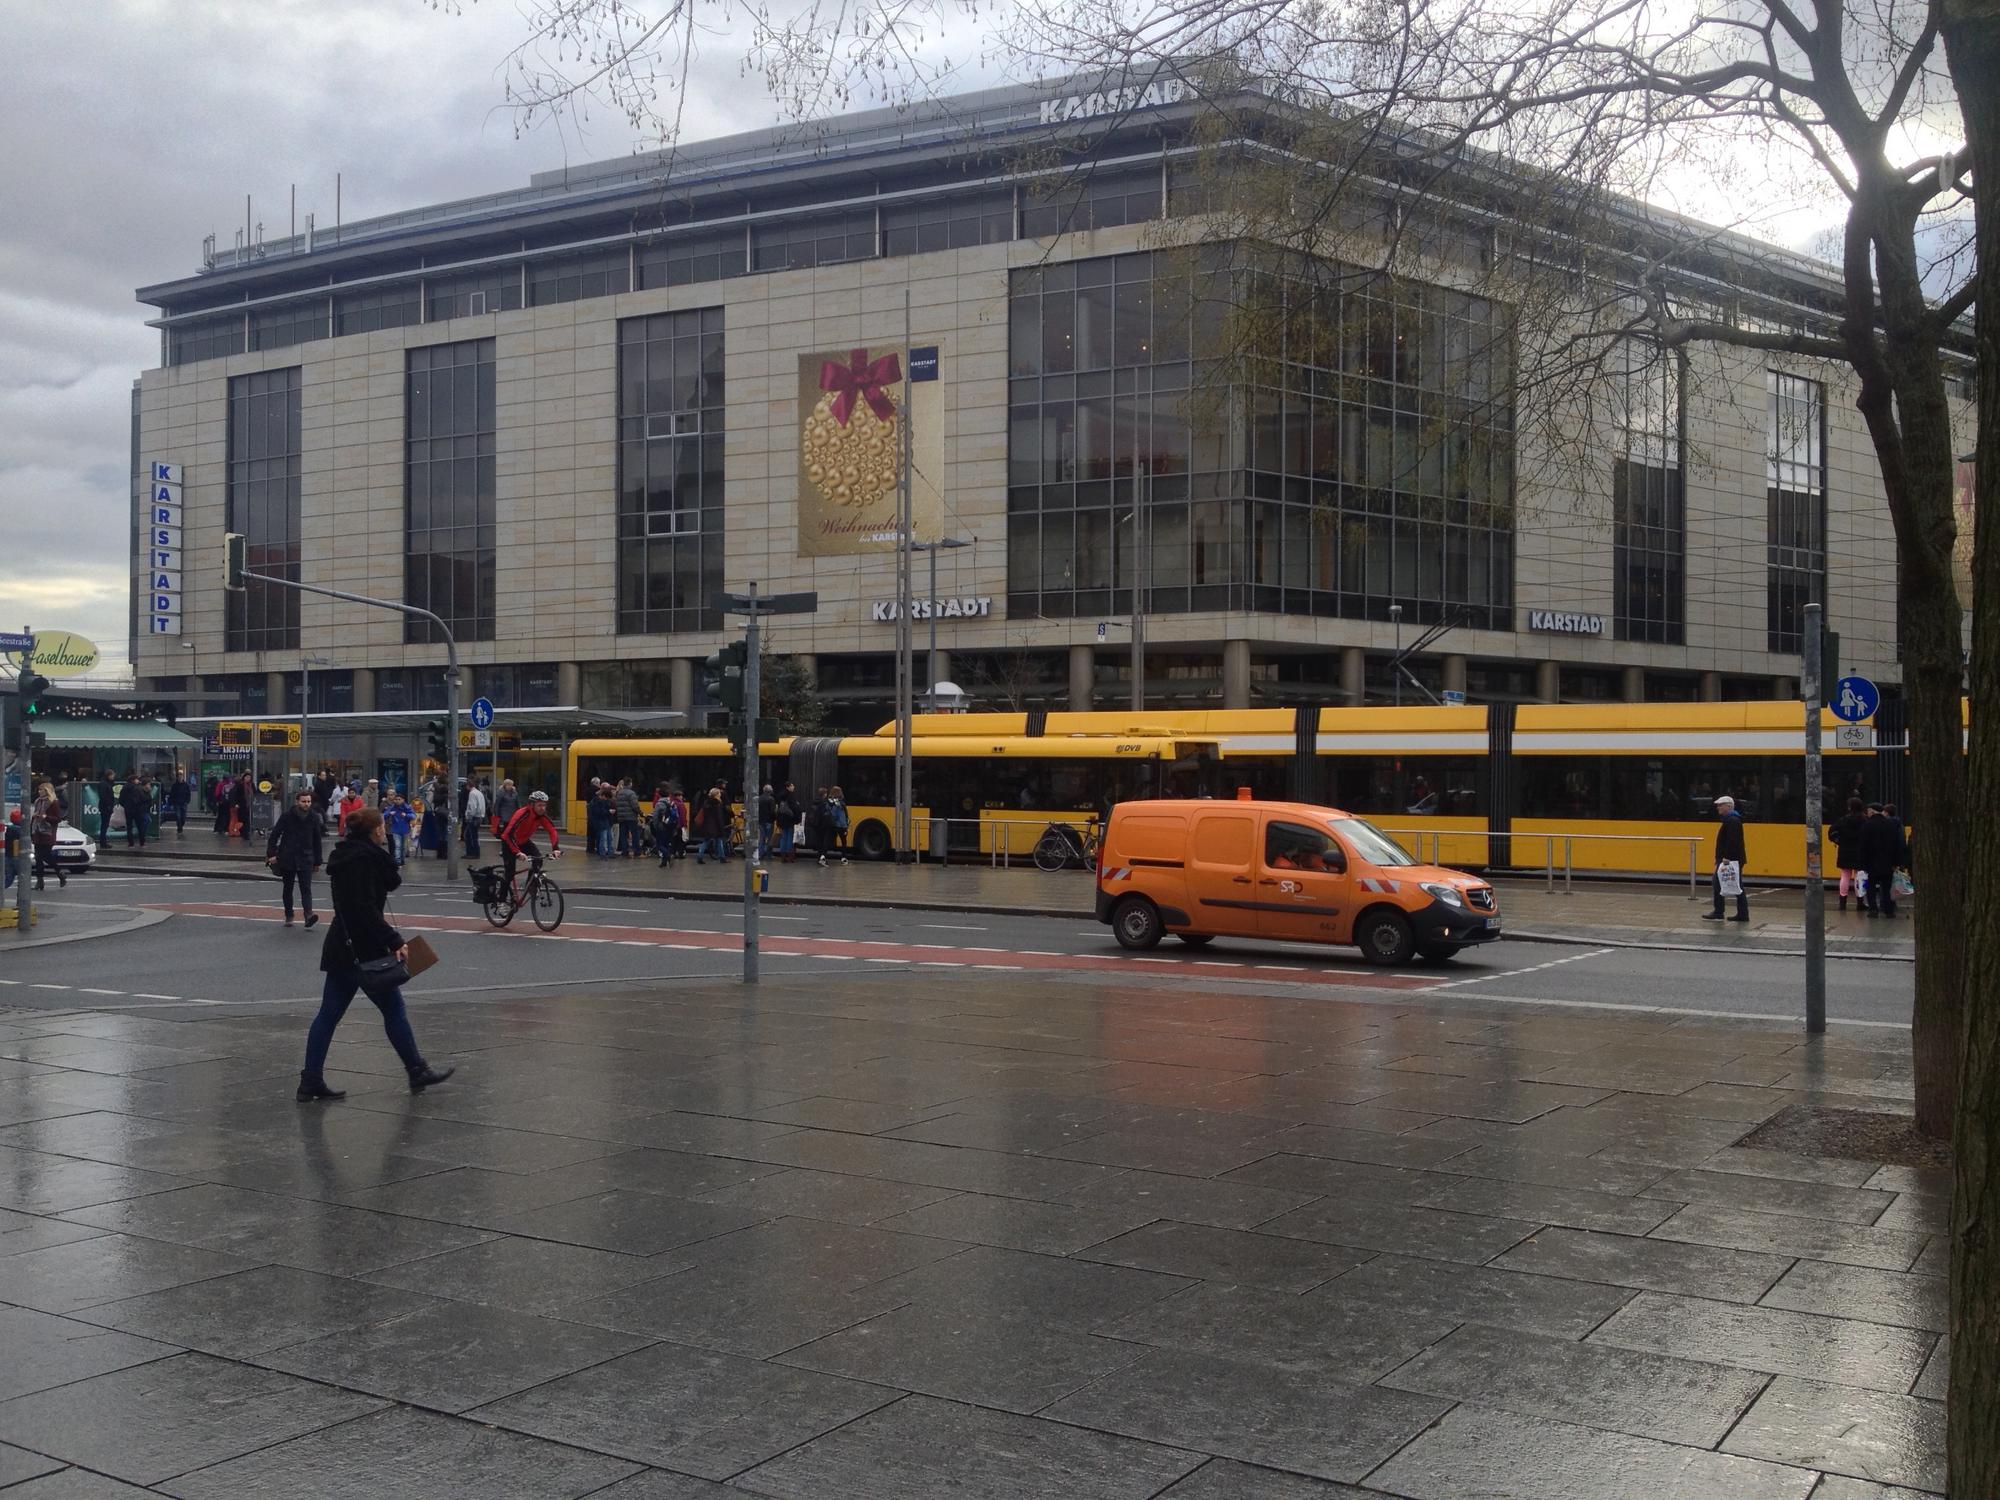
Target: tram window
[
  {"x": 1419, "y": 785},
  {"x": 1674, "y": 788}
]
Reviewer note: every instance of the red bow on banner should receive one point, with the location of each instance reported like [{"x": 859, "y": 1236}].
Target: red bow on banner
[{"x": 859, "y": 378}]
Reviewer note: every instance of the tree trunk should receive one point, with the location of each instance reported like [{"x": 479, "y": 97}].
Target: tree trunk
[{"x": 1972, "y": 45}]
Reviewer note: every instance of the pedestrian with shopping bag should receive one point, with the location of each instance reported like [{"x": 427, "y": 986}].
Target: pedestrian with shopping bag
[
  {"x": 363, "y": 954},
  {"x": 1729, "y": 855}
]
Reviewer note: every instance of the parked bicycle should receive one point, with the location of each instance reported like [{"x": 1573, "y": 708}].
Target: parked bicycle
[
  {"x": 542, "y": 897},
  {"x": 1063, "y": 846}
]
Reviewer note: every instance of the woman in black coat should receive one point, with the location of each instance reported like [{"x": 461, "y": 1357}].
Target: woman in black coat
[{"x": 360, "y": 874}]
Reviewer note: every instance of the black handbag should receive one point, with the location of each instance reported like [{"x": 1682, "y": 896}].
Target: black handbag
[{"x": 386, "y": 973}]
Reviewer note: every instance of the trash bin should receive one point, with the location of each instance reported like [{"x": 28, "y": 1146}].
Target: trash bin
[{"x": 941, "y": 840}]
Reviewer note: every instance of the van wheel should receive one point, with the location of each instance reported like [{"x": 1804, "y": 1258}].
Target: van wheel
[
  {"x": 1385, "y": 938},
  {"x": 871, "y": 840},
  {"x": 1196, "y": 939},
  {"x": 1137, "y": 923}
]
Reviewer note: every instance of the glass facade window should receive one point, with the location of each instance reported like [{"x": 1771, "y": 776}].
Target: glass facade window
[
  {"x": 948, "y": 224},
  {"x": 449, "y": 557},
  {"x": 791, "y": 245},
  {"x": 627, "y": 684},
  {"x": 251, "y": 689},
  {"x": 1367, "y": 459},
  {"x": 293, "y": 323},
  {"x": 332, "y": 692},
  {"x": 568, "y": 278},
  {"x": 497, "y": 290},
  {"x": 365, "y": 312},
  {"x": 670, "y": 471},
  {"x": 406, "y": 689},
  {"x": 263, "y": 504},
  {"x": 518, "y": 684},
  {"x": 1795, "y": 499},
  {"x": 689, "y": 258},
  {"x": 1103, "y": 200},
  {"x": 205, "y": 338},
  {"x": 1648, "y": 496}
]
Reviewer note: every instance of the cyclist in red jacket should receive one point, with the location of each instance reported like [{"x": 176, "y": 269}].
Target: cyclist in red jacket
[{"x": 517, "y": 838}]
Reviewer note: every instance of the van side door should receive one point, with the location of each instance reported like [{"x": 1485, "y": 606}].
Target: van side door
[
  {"x": 1221, "y": 858},
  {"x": 1304, "y": 889}
]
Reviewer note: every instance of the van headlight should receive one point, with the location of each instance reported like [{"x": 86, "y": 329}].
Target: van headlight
[{"x": 1448, "y": 894}]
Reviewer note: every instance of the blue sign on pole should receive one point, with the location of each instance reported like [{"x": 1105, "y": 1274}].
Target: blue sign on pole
[
  {"x": 482, "y": 713},
  {"x": 1855, "y": 699},
  {"x": 11, "y": 640},
  {"x": 924, "y": 363}
]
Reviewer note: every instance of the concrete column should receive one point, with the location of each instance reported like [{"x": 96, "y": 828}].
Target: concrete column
[
  {"x": 278, "y": 693},
  {"x": 1235, "y": 674},
  {"x": 364, "y": 690},
  {"x": 680, "y": 683},
  {"x": 569, "y": 684},
  {"x": 1634, "y": 685},
  {"x": 1354, "y": 675},
  {"x": 468, "y": 687},
  {"x": 1784, "y": 687},
  {"x": 1082, "y": 678},
  {"x": 809, "y": 664},
  {"x": 944, "y": 667},
  {"x": 1711, "y": 687},
  {"x": 1454, "y": 674},
  {"x": 1548, "y": 681}
]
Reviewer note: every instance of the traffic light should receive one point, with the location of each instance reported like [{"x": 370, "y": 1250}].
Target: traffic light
[
  {"x": 29, "y": 687},
  {"x": 722, "y": 676},
  {"x": 232, "y": 561},
  {"x": 440, "y": 746}
]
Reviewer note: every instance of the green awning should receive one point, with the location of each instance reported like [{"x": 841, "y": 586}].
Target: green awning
[{"x": 84, "y": 734}]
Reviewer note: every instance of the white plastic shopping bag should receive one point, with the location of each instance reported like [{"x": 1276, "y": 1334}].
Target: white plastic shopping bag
[{"x": 1729, "y": 878}]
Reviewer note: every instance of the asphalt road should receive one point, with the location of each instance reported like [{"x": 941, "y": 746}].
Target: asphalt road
[{"x": 224, "y": 946}]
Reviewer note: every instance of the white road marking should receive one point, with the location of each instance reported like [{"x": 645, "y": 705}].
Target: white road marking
[
  {"x": 949, "y": 927},
  {"x": 142, "y": 995},
  {"x": 87, "y": 991},
  {"x": 629, "y": 911},
  {"x": 48, "y": 986},
  {"x": 1554, "y": 963}
]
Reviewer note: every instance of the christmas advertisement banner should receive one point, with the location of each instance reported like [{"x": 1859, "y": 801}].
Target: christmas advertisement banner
[{"x": 853, "y": 403}]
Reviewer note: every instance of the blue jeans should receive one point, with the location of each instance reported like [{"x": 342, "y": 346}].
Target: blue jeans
[
  {"x": 399, "y": 844},
  {"x": 338, "y": 994},
  {"x": 471, "y": 839},
  {"x": 714, "y": 849},
  {"x": 600, "y": 842},
  {"x": 786, "y": 834},
  {"x": 763, "y": 842},
  {"x": 628, "y": 838}
]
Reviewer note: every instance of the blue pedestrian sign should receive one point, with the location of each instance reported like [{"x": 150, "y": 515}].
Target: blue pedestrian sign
[
  {"x": 1855, "y": 699},
  {"x": 482, "y": 713}
]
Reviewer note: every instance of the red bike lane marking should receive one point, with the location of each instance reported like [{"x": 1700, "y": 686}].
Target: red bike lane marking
[{"x": 935, "y": 955}]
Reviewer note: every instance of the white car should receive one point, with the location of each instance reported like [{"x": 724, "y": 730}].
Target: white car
[{"x": 75, "y": 849}]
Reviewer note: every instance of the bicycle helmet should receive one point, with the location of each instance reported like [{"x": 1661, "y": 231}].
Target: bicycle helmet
[{"x": 538, "y": 796}]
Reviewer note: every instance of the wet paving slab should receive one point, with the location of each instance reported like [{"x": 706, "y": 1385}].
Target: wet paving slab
[{"x": 883, "y": 1237}]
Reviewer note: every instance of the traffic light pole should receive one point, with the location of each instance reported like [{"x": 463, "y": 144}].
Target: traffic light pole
[
  {"x": 235, "y": 577},
  {"x": 24, "y": 841}
]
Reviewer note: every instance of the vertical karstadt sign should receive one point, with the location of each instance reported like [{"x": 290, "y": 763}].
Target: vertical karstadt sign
[{"x": 162, "y": 550}]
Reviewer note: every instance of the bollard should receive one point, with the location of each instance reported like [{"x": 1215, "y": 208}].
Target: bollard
[{"x": 1568, "y": 863}]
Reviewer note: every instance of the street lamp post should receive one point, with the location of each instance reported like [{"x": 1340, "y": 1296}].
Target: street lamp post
[
  {"x": 306, "y": 663},
  {"x": 1396, "y": 617},
  {"x": 1138, "y": 590},
  {"x": 930, "y": 668}
]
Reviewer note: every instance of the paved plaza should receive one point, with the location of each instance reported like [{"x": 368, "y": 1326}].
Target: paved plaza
[{"x": 917, "y": 1233}]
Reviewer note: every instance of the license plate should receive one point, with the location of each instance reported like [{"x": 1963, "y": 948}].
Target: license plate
[{"x": 1492, "y": 924}]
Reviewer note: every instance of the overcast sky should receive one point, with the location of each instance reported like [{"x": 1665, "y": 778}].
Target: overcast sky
[
  {"x": 135, "y": 127},
  {"x": 132, "y": 130}
]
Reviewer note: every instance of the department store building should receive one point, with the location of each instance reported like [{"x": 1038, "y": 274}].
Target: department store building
[{"x": 563, "y": 418}]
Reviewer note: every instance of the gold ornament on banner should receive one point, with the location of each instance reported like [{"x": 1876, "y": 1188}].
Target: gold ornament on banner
[{"x": 848, "y": 445}]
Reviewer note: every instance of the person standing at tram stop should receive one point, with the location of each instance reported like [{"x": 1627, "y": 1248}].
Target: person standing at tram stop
[
  {"x": 1846, "y": 836},
  {"x": 293, "y": 851},
  {"x": 360, "y": 875},
  {"x": 1881, "y": 851},
  {"x": 178, "y": 796},
  {"x": 1729, "y": 848}
]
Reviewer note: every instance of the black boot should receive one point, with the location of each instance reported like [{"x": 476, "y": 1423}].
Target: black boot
[
  {"x": 312, "y": 1086},
  {"x": 422, "y": 1078}
]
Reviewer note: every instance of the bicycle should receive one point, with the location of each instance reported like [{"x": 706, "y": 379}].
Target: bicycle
[
  {"x": 1063, "y": 846},
  {"x": 538, "y": 893}
]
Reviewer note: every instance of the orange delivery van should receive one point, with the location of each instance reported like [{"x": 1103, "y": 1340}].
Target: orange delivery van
[{"x": 1283, "y": 871}]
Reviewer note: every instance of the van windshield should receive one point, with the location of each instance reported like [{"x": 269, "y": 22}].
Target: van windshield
[{"x": 1370, "y": 842}]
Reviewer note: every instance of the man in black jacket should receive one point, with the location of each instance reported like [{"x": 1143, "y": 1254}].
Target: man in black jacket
[
  {"x": 136, "y": 797},
  {"x": 1729, "y": 847},
  {"x": 293, "y": 850},
  {"x": 1881, "y": 852}
]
